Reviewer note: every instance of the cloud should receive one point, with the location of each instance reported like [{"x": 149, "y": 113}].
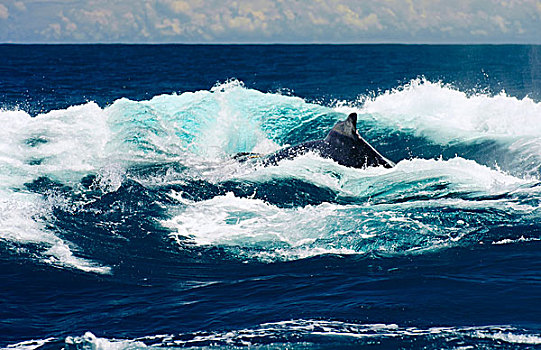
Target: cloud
[
  {"x": 53, "y": 31},
  {"x": 290, "y": 16},
  {"x": 169, "y": 27},
  {"x": 317, "y": 20},
  {"x": 500, "y": 23},
  {"x": 180, "y": 6},
  {"x": 68, "y": 24},
  {"x": 19, "y": 5},
  {"x": 271, "y": 21},
  {"x": 353, "y": 19},
  {"x": 98, "y": 16},
  {"x": 4, "y": 13}
]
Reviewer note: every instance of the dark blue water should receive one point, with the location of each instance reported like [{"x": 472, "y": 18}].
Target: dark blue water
[{"x": 126, "y": 223}]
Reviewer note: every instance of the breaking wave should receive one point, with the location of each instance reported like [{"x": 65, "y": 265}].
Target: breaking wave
[{"x": 478, "y": 169}]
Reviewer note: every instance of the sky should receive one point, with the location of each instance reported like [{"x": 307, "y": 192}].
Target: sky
[{"x": 266, "y": 21}]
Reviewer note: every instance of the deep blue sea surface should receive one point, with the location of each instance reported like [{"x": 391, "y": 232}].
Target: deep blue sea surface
[{"x": 125, "y": 221}]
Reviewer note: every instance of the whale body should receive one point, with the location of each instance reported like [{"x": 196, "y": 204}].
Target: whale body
[{"x": 343, "y": 144}]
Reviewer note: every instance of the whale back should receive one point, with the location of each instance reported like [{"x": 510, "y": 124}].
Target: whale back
[
  {"x": 343, "y": 144},
  {"x": 347, "y": 147}
]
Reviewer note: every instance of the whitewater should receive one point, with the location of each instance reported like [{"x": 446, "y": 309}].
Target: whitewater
[{"x": 192, "y": 137}]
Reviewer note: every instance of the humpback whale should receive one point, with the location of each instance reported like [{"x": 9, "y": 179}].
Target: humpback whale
[{"x": 343, "y": 144}]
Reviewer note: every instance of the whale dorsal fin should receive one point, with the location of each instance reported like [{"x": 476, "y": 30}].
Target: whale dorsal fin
[
  {"x": 346, "y": 127},
  {"x": 352, "y": 119}
]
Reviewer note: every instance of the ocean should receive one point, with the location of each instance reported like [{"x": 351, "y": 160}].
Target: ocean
[{"x": 126, "y": 222}]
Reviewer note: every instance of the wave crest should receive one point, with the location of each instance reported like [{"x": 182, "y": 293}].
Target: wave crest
[{"x": 444, "y": 114}]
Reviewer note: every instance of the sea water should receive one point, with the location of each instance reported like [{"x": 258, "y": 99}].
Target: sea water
[{"x": 126, "y": 223}]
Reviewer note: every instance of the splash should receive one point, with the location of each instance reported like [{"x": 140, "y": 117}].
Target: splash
[
  {"x": 420, "y": 205},
  {"x": 490, "y": 129},
  {"x": 444, "y": 114},
  {"x": 364, "y": 211},
  {"x": 61, "y": 148}
]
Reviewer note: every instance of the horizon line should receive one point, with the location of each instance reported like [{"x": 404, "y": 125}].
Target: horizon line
[{"x": 274, "y": 43}]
